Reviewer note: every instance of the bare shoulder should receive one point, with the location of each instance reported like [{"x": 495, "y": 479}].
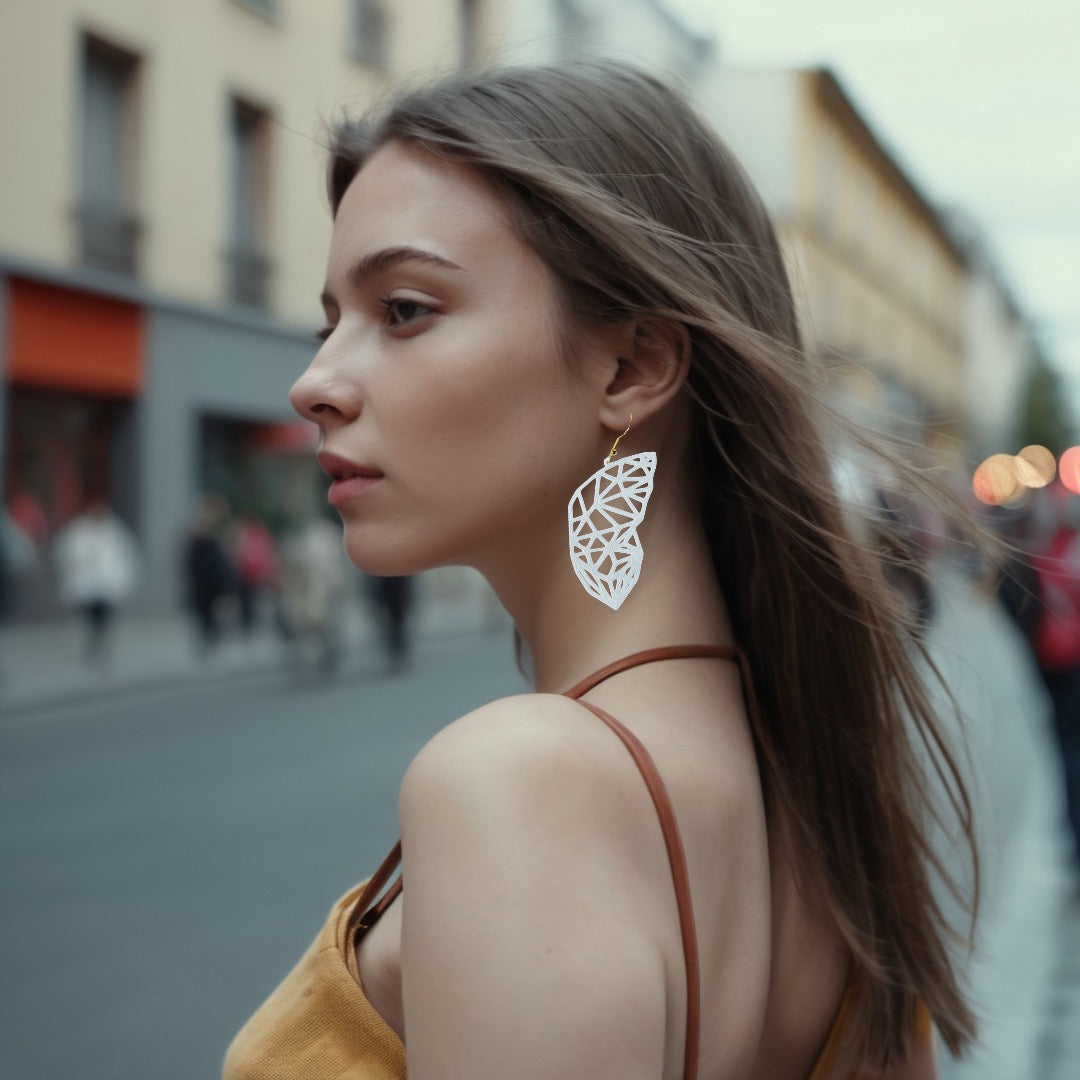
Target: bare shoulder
[
  {"x": 520, "y": 894},
  {"x": 509, "y": 755}
]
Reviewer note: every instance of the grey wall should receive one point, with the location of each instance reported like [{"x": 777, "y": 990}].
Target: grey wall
[{"x": 197, "y": 363}]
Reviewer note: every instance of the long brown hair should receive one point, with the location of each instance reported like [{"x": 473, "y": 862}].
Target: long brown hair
[{"x": 640, "y": 211}]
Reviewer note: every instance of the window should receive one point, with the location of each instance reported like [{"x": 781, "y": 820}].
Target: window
[
  {"x": 469, "y": 13},
  {"x": 575, "y": 30},
  {"x": 828, "y": 180},
  {"x": 266, "y": 8},
  {"x": 108, "y": 227},
  {"x": 370, "y": 34},
  {"x": 862, "y": 218},
  {"x": 249, "y": 154}
]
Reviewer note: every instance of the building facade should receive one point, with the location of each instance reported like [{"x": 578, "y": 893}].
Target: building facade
[
  {"x": 880, "y": 281},
  {"x": 163, "y": 234},
  {"x": 1001, "y": 351},
  {"x": 164, "y": 228},
  {"x": 645, "y": 32}
]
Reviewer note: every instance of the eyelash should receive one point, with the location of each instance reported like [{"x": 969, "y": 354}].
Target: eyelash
[{"x": 388, "y": 305}]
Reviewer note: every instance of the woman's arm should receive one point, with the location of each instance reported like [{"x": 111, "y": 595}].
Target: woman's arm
[{"x": 526, "y": 944}]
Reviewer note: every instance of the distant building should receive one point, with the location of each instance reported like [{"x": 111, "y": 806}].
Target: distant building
[
  {"x": 163, "y": 232},
  {"x": 646, "y": 32},
  {"x": 1001, "y": 349},
  {"x": 163, "y": 235},
  {"x": 880, "y": 280}
]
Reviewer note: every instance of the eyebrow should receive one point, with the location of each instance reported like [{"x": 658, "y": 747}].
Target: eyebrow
[{"x": 367, "y": 266}]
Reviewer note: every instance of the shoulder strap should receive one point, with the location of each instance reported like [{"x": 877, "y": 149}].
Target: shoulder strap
[
  {"x": 680, "y": 876},
  {"x": 368, "y": 910},
  {"x": 649, "y": 656}
]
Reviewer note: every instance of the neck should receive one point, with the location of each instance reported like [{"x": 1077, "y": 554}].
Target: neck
[{"x": 569, "y": 634}]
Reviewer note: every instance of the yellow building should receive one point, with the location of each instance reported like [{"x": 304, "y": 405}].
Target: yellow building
[
  {"x": 163, "y": 235},
  {"x": 881, "y": 282},
  {"x": 177, "y": 144}
]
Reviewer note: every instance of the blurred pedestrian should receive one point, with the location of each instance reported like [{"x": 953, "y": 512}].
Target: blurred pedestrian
[
  {"x": 30, "y": 517},
  {"x": 312, "y": 585},
  {"x": 255, "y": 562},
  {"x": 392, "y": 596},
  {"x": 1039, "y": 586},
  {"x": 96, "y": 560},
  {"x": 1057, "y": 640},
  {"x": 208, "y": 569},
  {"x": 18, "y": 557},
  {"x": 901, "y": 533}
]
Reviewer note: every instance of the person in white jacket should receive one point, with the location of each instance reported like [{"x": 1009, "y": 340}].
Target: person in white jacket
[{"x": 96, "y": 560}]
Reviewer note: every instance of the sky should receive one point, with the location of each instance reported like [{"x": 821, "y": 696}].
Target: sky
[{"x": 978, "y": 100}]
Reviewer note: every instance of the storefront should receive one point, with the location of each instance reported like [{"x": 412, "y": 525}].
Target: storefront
[
  {"x": 267, "y": 470},
  {"x": 74, "y": 367},
  {"x": 150, "y": 405}
]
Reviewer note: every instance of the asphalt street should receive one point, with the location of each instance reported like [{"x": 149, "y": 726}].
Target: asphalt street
[{"x": 168, "y": 855}]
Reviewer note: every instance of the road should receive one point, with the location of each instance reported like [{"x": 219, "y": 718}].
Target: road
[{"x": 169, "y": 854}]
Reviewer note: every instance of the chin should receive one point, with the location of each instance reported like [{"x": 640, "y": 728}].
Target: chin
[{"x": 383, "y": 558}]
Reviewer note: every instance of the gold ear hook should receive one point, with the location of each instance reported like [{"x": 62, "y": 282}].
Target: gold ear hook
[{"x": 613, "y": 452}]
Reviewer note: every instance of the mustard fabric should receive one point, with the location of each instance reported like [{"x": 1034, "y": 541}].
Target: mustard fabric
[
  {"x": 318, "y": 1024},
  {"x": 838, "y": 1032}
]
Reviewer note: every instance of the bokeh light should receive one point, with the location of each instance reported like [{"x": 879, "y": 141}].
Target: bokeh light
[
  {"x": 1006, "y": 478},
  {"x": 995, "y": 481},
  {"x": 1036, "y": 466},
  {"x": 1069, "y": 469}
]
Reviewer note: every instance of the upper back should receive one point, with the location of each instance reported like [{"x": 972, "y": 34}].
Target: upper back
[
  {"x": 773, "y": 970},
  {"x": 532, "y": 790}
]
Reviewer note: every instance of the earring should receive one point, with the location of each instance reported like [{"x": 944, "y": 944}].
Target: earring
[{"x": 604, "y": 514}]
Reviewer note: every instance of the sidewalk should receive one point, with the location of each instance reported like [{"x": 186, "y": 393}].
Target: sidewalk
[
  {"x": 41, "y": 663},
  {"x": 1022, "y": 979}
]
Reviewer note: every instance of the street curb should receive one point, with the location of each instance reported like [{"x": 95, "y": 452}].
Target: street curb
[
  {"x": 255, "y": 668},
  {"x": 95, "y": 692}
]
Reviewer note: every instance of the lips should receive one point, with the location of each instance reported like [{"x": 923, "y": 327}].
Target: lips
[
  {"x": 339, "y": 468},
  {"x": 349, "y": 480}
]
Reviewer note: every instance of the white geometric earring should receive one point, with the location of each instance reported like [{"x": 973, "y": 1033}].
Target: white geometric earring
[{"x": 604, "y": 514}]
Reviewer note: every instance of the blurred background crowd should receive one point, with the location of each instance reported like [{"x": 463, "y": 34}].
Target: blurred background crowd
[{"x": 162, "y": 237}]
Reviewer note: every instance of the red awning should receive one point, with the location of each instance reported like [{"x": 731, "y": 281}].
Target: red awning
[{"x": 61, "y": 339}]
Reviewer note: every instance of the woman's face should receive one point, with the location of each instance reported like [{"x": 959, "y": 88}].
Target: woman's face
[{"x": 451, "y": 426}]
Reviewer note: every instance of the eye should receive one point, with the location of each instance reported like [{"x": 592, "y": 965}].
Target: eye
[{"x": 401, "y": 312}]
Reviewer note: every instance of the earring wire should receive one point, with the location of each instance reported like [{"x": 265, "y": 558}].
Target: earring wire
[{"x": 613, "y": 452}]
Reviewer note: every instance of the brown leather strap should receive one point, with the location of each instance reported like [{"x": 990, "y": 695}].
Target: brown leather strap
[
  {"x": 649, "y": 656},
  {"x": 369, "y": 912},
  {"x": 680, "y": 876},
  {"x": 669, "y": 826}
]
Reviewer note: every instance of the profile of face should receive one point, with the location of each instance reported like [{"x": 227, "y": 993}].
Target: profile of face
[{"x": 452, "y": 425}]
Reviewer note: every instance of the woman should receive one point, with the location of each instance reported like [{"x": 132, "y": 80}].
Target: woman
[{"x": 527, "y": 268}]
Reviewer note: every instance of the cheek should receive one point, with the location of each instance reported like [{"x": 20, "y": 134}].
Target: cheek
[{"x": 488, "y": 393}]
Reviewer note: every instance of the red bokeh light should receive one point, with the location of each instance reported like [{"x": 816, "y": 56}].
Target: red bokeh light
[{"x": 1069, "y": 469}]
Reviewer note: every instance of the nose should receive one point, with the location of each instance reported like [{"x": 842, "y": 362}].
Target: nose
[{"x": 324, "y": 394}]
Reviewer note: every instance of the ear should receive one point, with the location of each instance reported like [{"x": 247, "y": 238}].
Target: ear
[{"x": 651, "y": 363}]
